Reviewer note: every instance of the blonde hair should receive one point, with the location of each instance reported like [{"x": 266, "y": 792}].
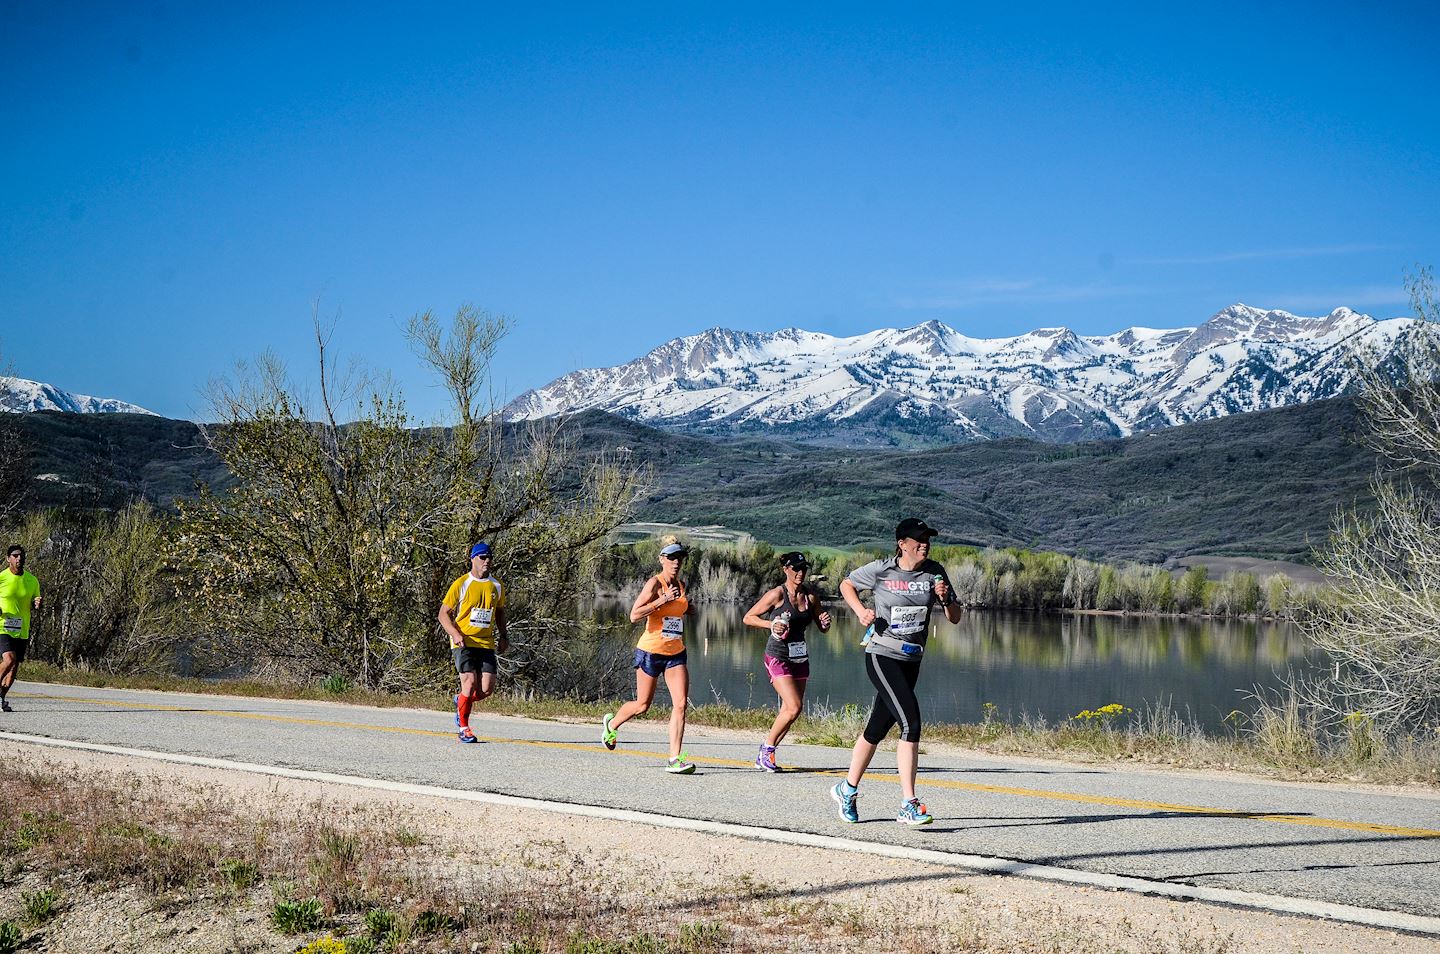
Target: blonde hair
[{"x": 668, "y": 540}]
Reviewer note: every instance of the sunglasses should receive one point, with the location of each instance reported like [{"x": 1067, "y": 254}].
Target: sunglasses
[{"x": 677, "y": 557}]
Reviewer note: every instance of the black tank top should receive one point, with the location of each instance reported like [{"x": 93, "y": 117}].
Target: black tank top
[{"x": 799, "y": 622}]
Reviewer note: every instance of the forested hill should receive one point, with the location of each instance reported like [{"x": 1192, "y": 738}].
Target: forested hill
[{"x": 1263, "y": 484}]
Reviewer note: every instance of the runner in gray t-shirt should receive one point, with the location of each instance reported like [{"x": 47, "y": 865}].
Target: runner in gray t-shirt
[{"x": 906, "y": 587}]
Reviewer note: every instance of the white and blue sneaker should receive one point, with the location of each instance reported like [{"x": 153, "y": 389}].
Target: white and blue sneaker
[
  {"x": 845, "y": 796},
  {"x": 914, "y": 814}
]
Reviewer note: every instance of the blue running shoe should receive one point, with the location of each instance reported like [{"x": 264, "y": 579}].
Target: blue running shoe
[
  {"x": 845, "y": 797},
  {"x": 914, "y": 814},
  {"x": 766, "y": 759},
  {"x": 465, "y": 735}
]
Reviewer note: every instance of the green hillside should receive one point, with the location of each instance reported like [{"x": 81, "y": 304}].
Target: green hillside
[{"x": 1264, "y": 484}]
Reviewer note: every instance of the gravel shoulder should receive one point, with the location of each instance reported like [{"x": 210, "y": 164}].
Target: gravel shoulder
[{"x": 769, "y": 897}]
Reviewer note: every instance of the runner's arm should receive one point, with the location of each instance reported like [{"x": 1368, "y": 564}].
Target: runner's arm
[
  {"x": 764, "y": 604},
  {"x": 647, "y": 601},
  {"x": 447, "y": 623},
  {"x": 822, "y": 615},
  {"x": 852, "y": 600},
  {"x": 948, "y": 602}
]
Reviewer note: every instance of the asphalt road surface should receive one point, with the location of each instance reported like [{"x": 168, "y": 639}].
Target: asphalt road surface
[{"x": 1321, "y": 843}]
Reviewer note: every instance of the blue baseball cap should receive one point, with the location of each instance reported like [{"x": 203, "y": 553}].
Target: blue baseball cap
[{"x": 479, "y": 549}]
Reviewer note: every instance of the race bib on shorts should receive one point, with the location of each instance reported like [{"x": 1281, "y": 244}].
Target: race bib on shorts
[
  {"x": 673, "y": 626},
  {"x": 907, "y": 620},
  {"x": 798, "y": 650},
  {"x": 14, "y": 624},
  {"x": 481, "y": 617}
]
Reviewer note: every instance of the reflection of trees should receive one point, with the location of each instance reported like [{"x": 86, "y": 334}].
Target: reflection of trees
[
  {"x": 999, "y": 639},
  {"x": 1046, "y": 664}
]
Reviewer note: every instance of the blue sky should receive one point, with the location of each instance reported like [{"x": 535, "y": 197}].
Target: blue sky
[{"x": 184, "y": 181}]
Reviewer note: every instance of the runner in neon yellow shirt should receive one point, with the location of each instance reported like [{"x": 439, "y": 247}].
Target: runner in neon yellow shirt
[
  {"x": 473, "y": 615},
  {"x": 19, "y": 595}
]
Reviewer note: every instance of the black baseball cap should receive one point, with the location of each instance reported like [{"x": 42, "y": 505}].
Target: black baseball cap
[
  {"x": 913, "y": 528},
  {"x": 795, "y": 560}
]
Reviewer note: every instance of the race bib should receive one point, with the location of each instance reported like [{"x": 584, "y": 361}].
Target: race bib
[
  {"x": 14, "y": 624},
  {"x": 481, "y": 617},
  {"x": 907, "y": 620},
  {"x": 673, "y": 626},
  {"x": 798, "y": 650}
]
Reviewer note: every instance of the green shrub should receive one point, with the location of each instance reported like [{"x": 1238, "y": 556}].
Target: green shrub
[
  {"x": 239, "y": 873},
  {"x": 297, "y": 917},
  {"x": 40, "y": 906},
  {"x": 379, "y": 922},
  {"x": 336, "y": 685},
  {"x": 430, "y": 921},
  {"x": 11, "y": 937},
  {"x": 700, "y": 936}
]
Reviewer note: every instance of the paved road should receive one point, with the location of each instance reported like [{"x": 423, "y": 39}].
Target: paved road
[{"x": 1310, "y": 842}]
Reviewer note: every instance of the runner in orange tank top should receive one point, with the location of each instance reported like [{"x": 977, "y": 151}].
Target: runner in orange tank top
[{"x": 664, "y": 607}]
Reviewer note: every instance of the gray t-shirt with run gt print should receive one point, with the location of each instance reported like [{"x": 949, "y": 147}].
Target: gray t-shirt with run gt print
[{"x": 902, "y": 598}]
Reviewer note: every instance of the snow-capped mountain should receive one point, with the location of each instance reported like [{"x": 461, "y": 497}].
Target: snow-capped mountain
[
  {"x": 18, "y": 394},
  {"x": 931, "y": 384}
]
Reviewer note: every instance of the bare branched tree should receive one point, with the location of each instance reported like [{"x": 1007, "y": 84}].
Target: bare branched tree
[{"x": 1381, "y": 627}]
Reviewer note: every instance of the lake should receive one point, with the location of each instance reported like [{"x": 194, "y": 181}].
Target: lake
[{"x": 1039, "y": 664}]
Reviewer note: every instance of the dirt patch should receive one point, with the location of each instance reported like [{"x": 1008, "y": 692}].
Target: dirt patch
[{"x": 1218, "y": 566}]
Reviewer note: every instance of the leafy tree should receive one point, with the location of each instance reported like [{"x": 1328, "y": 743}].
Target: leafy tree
[
  {"x": 109, "y": 600},
  {"x": 1277, "y": 594},
  {"x": 345, "y": 521},
  {"x": 1193, "y": 596},
  {"x": 1107, "y": 592}
]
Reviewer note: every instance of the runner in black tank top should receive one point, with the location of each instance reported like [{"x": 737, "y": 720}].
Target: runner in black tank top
[{"x": 792, "y": 607}]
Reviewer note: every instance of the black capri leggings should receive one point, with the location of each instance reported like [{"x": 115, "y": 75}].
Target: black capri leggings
[{"x": 895, "y": 700}]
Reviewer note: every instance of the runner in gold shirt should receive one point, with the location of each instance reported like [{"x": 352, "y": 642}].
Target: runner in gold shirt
[{"x": 473, "y": 616}]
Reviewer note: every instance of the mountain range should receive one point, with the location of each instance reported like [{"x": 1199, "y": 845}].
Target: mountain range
[
  {"x": 1265, "y": 484},
  {"x": 931, "y": 385},
  {"x": 19, "y": 394}
]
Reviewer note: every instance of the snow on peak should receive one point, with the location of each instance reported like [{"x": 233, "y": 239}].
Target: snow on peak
[
  {"x": 21, "y": 395},
  {"x": 932, "y": 381}
]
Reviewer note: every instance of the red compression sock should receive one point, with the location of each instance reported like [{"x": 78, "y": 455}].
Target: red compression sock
[{"x": 464, "y": 710}]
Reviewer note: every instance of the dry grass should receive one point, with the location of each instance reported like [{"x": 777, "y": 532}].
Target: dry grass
[{"x": 348, "y": 879}]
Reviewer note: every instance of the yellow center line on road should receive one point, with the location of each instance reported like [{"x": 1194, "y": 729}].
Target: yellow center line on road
[{"x": 1279, "y": 818}]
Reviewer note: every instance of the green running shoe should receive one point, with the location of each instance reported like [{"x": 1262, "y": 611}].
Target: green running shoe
[
  {"x": 679, "y": 766},
  {"x": 607, "y": 734}
]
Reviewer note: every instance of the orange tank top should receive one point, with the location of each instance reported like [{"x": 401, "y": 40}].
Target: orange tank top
[{"x": 665, "y": 626}]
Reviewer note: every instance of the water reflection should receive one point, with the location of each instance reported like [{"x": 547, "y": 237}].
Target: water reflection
[{"x": 1052, "y": 665}]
